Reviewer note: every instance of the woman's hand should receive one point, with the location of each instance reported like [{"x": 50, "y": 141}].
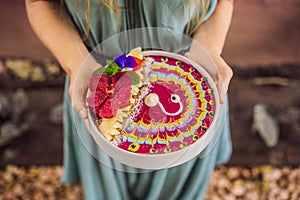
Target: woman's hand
[
  {"x": 211, "y": 35},
  {"x": 55, "y": 29},
  {"x": 59, "y": 35},
  {"x": 79, "y": 81},
  {"x": 219, "y": 70}
]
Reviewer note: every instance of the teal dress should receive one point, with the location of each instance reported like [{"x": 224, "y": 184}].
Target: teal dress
[{"x": 107, "y": 178}]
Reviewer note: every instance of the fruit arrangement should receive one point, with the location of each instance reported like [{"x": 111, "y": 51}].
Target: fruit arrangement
[{"x": 112, "y": 91}]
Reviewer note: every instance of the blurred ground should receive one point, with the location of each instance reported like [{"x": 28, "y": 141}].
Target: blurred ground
[
  {"x": 230, "y": 183},
  {"x": 263, "y": 42},
  {"x": 264, "y": 33}
]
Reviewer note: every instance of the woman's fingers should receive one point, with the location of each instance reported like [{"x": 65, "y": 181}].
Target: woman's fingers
[
  {"x": 225, "y": 71},
  {"x": 221, "y": 88},
  {"x": 199, "y": 55},
  {"x": 77, "y": 100},
  {"x": 78, "y": 86},
  {"x": 222, "y": 74},
  {"x": 78, "y": 105},
  {"x": 77, "y": 91}
]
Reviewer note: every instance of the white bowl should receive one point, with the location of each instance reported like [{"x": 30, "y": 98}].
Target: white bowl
[{"x": 160, "y": 161}]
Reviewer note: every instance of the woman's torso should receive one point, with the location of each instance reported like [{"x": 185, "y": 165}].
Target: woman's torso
[{"x": 170, "y": 14}]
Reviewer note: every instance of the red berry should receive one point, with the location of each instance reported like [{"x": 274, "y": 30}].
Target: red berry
[
  {"x": 99, "y": 82},
  {"x": 96, "y": 99},
  {"x": 122, "y": 96},
  {"x": 124, "y": 82},
  {"x": 115, "y": 78},
  {"x": 108, "y": 110}
]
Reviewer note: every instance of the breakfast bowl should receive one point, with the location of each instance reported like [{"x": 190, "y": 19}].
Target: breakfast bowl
[{"x": 153, "y": 109}]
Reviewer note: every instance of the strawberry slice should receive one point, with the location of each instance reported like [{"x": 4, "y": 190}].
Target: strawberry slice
[
  {"x": 121, "y": 98},
  {"x": 109, "y": 109},
  {"x": 115, "y": 78},
  {"x": 124, "y": 82},
  {"x": 99, "y": 82},
  {"x": 96, "y": 99}
]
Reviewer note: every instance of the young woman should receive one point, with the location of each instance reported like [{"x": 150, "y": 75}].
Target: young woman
[{"x": 72, "y": 28}]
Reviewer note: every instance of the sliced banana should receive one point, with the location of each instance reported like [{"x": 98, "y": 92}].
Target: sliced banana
[{"x": 105, "y": 132}]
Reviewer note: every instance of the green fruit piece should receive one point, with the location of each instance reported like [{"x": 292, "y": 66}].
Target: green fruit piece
[
  {"x": 135, "y": 78},
  {"x": 109, "y": 70},
  {"x": 112, "y": 68},
  {"x": 100, "y": 70}
]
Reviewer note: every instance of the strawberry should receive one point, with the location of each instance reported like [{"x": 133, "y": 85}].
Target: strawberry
[
  {"x": 99, "y": 82},
  {"x": 109, "y": 109},
  {"x": 115, "y": 78},
  {"x": 121, "y": 98},
  {"x": 96, "y": 99},
  {"x": 124, "y": 82}
]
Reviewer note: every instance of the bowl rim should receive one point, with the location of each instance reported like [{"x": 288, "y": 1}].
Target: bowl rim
[{"x": 96, "y": 134}]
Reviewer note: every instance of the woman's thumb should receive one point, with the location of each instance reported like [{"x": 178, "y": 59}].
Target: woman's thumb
[
  {"x": 78, "y": 104},
  {"x": 224, "y": 76}
]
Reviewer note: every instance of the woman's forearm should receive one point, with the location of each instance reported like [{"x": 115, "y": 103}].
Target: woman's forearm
[
  {"x": 54, "y": 28},
  {"x": 212, "y": 34}
]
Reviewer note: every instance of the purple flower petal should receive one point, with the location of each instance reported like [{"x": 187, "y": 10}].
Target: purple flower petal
[
  {"x": 121, "y": 61},
  {"x": 130, "y": 62}
]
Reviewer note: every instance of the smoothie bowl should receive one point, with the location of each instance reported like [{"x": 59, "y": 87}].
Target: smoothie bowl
[{"x": 152, "y": 109}]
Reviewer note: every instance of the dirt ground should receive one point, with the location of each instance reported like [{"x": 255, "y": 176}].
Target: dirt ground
[
  {"x": 42, "y": 144},
  {"x": 248, "y": 146},
  {"x": 263, "y": 182}
]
